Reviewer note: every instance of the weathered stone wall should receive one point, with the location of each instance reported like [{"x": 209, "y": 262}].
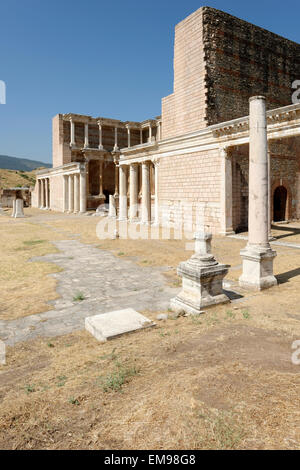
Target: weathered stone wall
[
  {"x": 243, "y": 60},
  {"x": 220, "y": 62}
]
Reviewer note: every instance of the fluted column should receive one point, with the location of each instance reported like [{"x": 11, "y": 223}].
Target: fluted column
[
  {"x": 47, "y": 193},
  {"x": 146, "y": 193},
  {"x": 116, "y": 148},
  {"x": 65, "y": 194},
  {"x": 101, "y": 179},
  {"x": 100, "y": 136},
  {"x": 116, "y": 178},
  {"x": 86, "y": 135},
  {"x": 150, "y": 133},
  {"x": 123, "y": 193},
  {"x": 82, "y": 183},
  {"x": 72, "y": 133},
  {"x": 42, "y": 193},
  {"x": 133, "y": 208},
  {"x": 39, "y": 193},
  {"x": 156, "y": 201},
  {"x": 76, "y": 193},
  {"x": 71, "y": 193},
  {"x": 226, "y": 192}
]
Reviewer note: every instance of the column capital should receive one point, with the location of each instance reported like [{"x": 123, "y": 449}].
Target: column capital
[
  {"x": 226, "y": 151},
  {"x": 156, "y": 161}
]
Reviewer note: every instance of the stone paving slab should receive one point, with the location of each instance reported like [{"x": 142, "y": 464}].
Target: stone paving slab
[
  {"x": 106, "y": 282},
  {"x": 111, "y": 324}
]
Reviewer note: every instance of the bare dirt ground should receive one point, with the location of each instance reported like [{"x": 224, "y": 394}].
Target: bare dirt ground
[{"x": 224, "y": 380}]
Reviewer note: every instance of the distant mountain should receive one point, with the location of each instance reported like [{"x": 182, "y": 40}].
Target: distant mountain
[{"x": 21, "y": 164}]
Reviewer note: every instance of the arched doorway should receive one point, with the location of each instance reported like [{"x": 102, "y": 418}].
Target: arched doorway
[{"x": 279, "y": 204}]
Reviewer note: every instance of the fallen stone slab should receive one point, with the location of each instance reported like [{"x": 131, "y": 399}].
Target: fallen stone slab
[{"x": 111, "y": 324}]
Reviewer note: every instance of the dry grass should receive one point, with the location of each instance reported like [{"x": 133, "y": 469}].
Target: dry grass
[
  {"x": 14, "y": 178},
  {"x": 224, "y": 380},
  {"x": 192, "y": 383},
  {"x": 25, "y": 286}
]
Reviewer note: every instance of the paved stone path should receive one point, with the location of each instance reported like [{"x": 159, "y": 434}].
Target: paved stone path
[{"x": 107, "y": 283}]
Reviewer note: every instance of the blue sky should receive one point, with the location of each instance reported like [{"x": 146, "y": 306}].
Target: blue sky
[{"x": 95, "y": 57}]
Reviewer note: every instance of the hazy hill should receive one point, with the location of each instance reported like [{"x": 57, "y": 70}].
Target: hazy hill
[{"x": 21, "y": 164}]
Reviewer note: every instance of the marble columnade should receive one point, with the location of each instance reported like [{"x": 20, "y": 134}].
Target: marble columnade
[
  {"x": 133, "y": 207},
  {"x": 71, "y": 193},
  {"x": 146, "y": 193},
  {"x": 123, "y": 193},
  {"x": 258, "y": 256}
]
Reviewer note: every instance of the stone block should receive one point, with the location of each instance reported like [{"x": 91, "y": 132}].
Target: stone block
[{"x": 112, "y": 324}]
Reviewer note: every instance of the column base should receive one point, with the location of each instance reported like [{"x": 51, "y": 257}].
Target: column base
[
  {"x": 257, "y": 268},
  {"x": 202, "y": 285},
  {"x": 227, "y": 233}
]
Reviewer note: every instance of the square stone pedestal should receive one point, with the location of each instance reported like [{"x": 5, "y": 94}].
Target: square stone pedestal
[{"x": 257, "y": 268}]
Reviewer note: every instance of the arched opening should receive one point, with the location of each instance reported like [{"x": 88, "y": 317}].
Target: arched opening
[{"x": 280, "y": 201}]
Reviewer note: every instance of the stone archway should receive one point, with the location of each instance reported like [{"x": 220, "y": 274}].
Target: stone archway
[{"x": 280, "y": 199}]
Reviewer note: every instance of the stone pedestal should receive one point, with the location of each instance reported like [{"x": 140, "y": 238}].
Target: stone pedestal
[
  {"x": 112, "y": 212},
  {"x": 257, "y": 268},
  {"x": 13, "y": 208},
  {"x": 258, "y": 256},
  {"x": 202, "y": 279},
  {"x": 19, "y": 208}
]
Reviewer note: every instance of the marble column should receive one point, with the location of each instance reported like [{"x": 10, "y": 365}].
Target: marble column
[
  {"x": 269, "y": 196},
  {"x": 150, "y": 133},
  {"x": 42, "y": 193},
  {"x": 72, "y": 133},
  {"x": 86, "y": 136},
  {"x": 101, "y": 179},
  {"x": 116, "y": 179},
  {"x": 116, "y": 148},
  {"x": 156, "y": 200},
  {"x": 100, "y": 136},
  {"x": 123, "y": 193},
  {"x": 76, "y": 193},
  {"x": 141, "y": 136},
  {"x": 82, "y": 191},
  {"x": 47, "y": 193},
  {"x": 128, "y": 137},
  {"x": 65, "y": 194},
  {"x": 133, "y": 207},
  {"x": 71, "y": 193},
  {"x": 146, "y": 193},
  {"x": 39, "y": 193},
  {"x": 226, "y": 192},
  {"x": 258, "y": 256}
]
